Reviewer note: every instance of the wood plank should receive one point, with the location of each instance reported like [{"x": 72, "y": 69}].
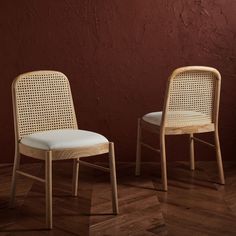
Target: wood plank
[{"x": 194, "y": 205}]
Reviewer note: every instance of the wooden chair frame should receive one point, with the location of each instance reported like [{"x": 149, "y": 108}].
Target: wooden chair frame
[
  {"x": 165, "y": 129},
  {"x": 48, "y": 156}
]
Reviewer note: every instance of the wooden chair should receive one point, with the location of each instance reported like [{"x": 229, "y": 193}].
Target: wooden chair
[
  {"x": 191, "y": 106},
  {"x": 46, "y": 129}
]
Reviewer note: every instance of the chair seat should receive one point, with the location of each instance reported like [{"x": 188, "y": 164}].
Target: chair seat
[
  {"x": 153, "y": 118},
  {"x": 178, "y": 118},
  {"x": 63, "y": 139}
]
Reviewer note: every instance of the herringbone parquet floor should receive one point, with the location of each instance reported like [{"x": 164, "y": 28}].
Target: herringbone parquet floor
[{"x": 194, "y": 204}]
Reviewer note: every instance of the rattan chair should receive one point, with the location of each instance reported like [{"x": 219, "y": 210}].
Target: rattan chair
[
  {"x": 46, "y": 129},
  {"x": 191, "y": 106}
]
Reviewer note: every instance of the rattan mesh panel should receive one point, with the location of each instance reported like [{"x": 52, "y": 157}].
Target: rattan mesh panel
[
  {"x": 43, "y": 102},
  {"x": 191, "y": 99}
]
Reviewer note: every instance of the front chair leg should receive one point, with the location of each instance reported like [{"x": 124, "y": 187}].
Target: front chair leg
[
  {"x": 48, "y": 189},
  {"x": 14, "y": 177},
  {"x": 218, "y": 157},
  {"x": 163, "y": 162},
  {"x": 113, "y": 178},
  {"x": 75, "y": 177}
]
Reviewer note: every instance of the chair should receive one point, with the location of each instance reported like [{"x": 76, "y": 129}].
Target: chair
[
  {"x": 191, "y": 106},
  {"x": 46, "y": 129}
]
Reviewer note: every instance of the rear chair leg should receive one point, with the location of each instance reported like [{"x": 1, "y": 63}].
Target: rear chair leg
[
  {"x": 192, "y": 161},
  {"x": 75, "y": 177},
  {"x": 138, "y": 150}
]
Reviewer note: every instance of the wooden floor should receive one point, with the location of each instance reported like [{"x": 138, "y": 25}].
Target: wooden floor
[{"x": 194, "y": 204}]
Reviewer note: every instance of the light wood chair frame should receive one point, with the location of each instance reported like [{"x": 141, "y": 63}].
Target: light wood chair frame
[
  {"x": 164, "y": 129},
  {"x": 48, "y": 156}
]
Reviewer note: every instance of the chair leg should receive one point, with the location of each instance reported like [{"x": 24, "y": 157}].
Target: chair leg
[
  {"x": 14, "y": 177},
  {"x": 113, "y": 178},
  {"x": 163, "y": 162},
  {"x": 138, "y": 150},
  {"x": 75, "y": 178},
  {"x": 48, "y": 189},
  {"x": 192, "y": 161},
  {"x": 218, "y": 157}
]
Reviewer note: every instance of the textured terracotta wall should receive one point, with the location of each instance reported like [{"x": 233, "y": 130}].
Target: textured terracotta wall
[{"x": 117, "y": 55}]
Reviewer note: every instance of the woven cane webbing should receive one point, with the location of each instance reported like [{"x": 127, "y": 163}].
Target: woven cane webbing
[
  {"x": 43, "y": 101},
  {"x": 191, "y": 99}
]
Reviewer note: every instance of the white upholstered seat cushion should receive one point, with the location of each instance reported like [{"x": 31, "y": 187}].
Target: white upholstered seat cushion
[
  {"x": 153, "y": 118},
  {"x": 178, "y": 118},
  {"x": 63, "y": 139}
]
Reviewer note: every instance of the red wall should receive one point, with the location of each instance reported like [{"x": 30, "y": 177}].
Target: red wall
[{"x": 117, "y": 55}]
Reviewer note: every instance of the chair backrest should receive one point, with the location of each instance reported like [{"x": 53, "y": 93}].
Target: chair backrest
[
  {"x": 192, "y": 97},
  {"x": 42, "y": 100}
]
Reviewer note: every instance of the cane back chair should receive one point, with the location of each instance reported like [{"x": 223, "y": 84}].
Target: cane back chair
[
  {"x": 191, "y": 106},
  {"x": 46, "y": 129}
]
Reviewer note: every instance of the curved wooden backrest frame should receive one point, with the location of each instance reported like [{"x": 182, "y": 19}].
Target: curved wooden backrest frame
[
  {"x": 193, "y": 91},
  {"x": 42, "y": 100}
]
